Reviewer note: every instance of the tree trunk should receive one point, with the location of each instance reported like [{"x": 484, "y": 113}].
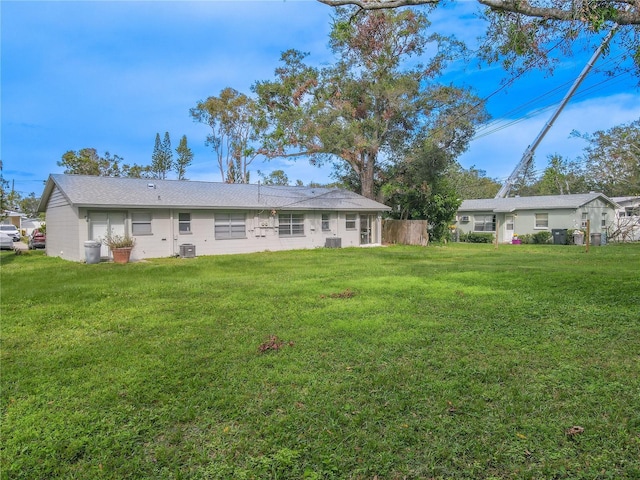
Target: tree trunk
[{"x": 366, "y": 177}]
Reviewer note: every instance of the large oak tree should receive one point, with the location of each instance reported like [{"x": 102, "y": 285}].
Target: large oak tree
[{"x": 376, "y": 101}]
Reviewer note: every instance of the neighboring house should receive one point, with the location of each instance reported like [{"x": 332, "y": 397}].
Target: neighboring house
[
  {"x": 30, "y": 224},
  {"x": 13, "y": 218},
  {"x": 626, "y": 227},
  {"x": 216, "y": 218},
  {"x": 530, "y": 215}
]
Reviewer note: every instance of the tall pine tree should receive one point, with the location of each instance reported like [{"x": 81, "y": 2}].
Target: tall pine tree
[
  {"x": 162, "y": 157},
  {"x": 185, "y": 157}
]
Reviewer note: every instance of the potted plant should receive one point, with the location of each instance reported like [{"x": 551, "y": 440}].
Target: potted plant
[
  {"x": 516, "y": 240},
  {"x": 120, "y": 246}
]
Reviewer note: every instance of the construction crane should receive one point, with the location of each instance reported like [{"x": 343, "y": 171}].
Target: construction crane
[{"x": 527, "y": 157}]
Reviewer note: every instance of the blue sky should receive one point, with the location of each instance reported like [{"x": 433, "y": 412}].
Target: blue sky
[{"x": 110, "y": 75}]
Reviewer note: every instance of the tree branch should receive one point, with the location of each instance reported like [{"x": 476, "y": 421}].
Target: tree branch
[{"x": 627, "y": 11}]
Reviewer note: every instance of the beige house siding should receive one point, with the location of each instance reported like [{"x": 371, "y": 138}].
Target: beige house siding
[
  {"x": 81, "y": 208},
  {"x": 261, "y": 229},
  {"x": 262, "y": 232},
  {"x": 62, "y": 214}
]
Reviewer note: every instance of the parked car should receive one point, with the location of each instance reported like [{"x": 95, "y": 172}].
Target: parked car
[
  {"x": 6, "y": 241},
  {"x": 12, "y": 231},
  {"x": 37, "y": 239}
]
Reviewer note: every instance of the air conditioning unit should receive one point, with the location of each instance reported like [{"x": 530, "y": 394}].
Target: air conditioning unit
[
  {"x": 333, "y": 242},
  {"x": 464, "y": 218}
]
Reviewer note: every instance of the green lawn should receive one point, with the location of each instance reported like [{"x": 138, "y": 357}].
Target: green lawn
[{"x": 446, "y": 362}]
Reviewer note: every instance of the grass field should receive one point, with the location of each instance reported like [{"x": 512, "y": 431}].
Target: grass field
[{"x": 446, "y": 362}]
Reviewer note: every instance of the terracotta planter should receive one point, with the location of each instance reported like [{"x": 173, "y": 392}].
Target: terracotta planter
[{"x": 121, "y": 255}]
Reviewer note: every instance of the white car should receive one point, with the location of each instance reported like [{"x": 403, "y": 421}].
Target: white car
[
  {"x": 12, "y": 231},
  {"x": 6, "y": 241}
]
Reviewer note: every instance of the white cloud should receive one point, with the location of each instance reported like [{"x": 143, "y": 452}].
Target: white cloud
[{"x": 499, "y": 152}]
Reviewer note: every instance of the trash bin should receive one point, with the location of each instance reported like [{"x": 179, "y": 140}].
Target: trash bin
[
  {"x": 595, "y": 239},
  {"x": 578, "y": 237},
  {"x": 92, "y": 251},
  {"x": 559, "y": 236},
  {"x": 187, "y": 250},
  {"x": 603, "y": 238}
]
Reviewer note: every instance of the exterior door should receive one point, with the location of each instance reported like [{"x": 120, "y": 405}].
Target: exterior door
[
  {"x": 101, "y": 223},
  {"x": 367, "y": 229},
  {"x": 508, "y": 228}
]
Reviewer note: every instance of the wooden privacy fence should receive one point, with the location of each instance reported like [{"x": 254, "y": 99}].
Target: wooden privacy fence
[{"x": 405, "y": 232}]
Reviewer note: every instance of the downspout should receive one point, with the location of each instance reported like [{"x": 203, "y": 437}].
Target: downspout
[{"x": 172, "y": 232}]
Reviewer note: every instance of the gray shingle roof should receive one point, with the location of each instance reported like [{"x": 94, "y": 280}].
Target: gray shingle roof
[
  {"x": 90, "y": 191},
  {"x": 545, "y": 202}
]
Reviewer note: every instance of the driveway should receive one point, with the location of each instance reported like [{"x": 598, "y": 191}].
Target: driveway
[{"x": 20, "y": 246}]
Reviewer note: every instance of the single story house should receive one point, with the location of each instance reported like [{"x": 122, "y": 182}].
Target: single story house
[
  {"x": 529, "y": 215},
  {"x": 626, "y": 228},
  {"x": 25, "y": 225},
  {"x": 12, "y": 218},
  {"x": 205, "y": 217}
]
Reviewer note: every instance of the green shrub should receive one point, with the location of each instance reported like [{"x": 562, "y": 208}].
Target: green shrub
[
  {"x": 473, "y": 237},
  {"x": 527, "y": 238},
  {"x": 542, "y": 237}
]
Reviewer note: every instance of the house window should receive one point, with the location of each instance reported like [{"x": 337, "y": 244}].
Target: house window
[
  {"x": 291, "y": 224},
  {"x": 631, "y": 211},
  {"x": 184, "y": 222},
  {"x": 603, "y": 222},
  {"x": 350, "y": 221},
  {"x": 542, "y": 220},
  {"x": 484, "y": 223},
  {"x": 325, "y": 222},
  {"x": 509, "y": 223},
  {"x": 583, "y": 222},
  {"x": 229, "y": 225},
  {"x": 141, "y": 223}
]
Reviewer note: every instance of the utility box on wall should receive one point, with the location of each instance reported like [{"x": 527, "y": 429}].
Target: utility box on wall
[{"x": 187, "y": 250}]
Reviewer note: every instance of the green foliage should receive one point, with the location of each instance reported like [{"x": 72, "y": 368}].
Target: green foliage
[
  {"x": 87, "y": 162},
  {"x": 611, "y": 158},
  {"x": 162, "y": 157},
  {"x": 154, "y": 372},
  {"x": 237, "y": 123},
  {"x": 471, "y": 183},
  {"x": 418, "y": 189},
  {"x": 375, "y": 100},
  {"x": 474, "y": 237},
  {"x": 542, "y": 237},
  {"x": 276, "y": 177},
  {"x": 185, "y": 157},
  {"x": 522, "y": 40},
  {"x": 9, "y": 198}
]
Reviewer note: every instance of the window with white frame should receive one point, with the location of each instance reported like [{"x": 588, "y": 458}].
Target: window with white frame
[
  {"x": 584, "y": 218},
  {"x": 603, "y": 222},
  {"x": 325, "y": 222},
  {"x": 631, "y": 211},
  {"x": 291, "y": 224},
  {"x": 229, "y": 225},
  {"x": 542, "y": 220},
  {"x": 141, "y": 223},
  {"x": 184, "y": 222},
  {"x": 484, "y": 223},
  {"x": 350, "y": 221}
]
